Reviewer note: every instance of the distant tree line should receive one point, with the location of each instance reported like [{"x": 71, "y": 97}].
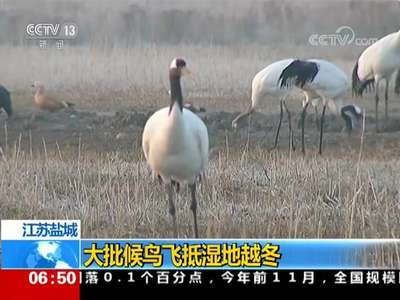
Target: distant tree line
[{"x": 256, "y": 21}]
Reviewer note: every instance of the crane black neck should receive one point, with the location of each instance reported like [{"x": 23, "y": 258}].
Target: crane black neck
[{"x": 176, "y": 90}]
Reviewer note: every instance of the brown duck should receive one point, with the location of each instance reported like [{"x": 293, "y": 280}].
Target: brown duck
[{"x": 47, "y": 102}]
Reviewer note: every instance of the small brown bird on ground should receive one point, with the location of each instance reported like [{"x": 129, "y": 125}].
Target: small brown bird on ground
[{"x": 47, "y": 102}]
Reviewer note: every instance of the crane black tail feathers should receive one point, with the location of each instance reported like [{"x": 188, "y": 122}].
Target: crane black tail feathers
[
  {"x": 359, "y": 86},
  {"x": 397, "y": 83},
  {"x": 5, "y": 101},
  {"x": 298, "y": 73}
]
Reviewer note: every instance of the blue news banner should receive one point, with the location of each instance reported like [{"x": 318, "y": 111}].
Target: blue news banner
[{"x": 125, "y": 263}]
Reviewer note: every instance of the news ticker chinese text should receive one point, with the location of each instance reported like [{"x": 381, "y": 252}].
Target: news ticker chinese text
[{"x": 45, "y": 254}]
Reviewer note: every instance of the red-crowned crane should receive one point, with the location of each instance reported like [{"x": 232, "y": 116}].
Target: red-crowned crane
[
  {"x": 175, "y": 143},
  {"x": 379, "y": 61},
  {"x": 264, "y": 84},
  {"x": 279, "y": 78},
  {"x": 5, "y": 101},
  {"x": 324, "y": 82}
]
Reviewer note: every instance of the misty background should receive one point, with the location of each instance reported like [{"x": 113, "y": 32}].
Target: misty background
[{"x": 210, "y": 22}]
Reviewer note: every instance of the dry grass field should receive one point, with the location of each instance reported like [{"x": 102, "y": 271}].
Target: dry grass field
[{"x": 89, "y": 165}]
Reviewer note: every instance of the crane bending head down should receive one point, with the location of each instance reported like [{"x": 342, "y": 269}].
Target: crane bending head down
[
  {"x": 286, "y": 76},
  {"x": 265, "y": 83}
]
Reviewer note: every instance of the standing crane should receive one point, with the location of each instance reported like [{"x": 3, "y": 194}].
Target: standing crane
[
  {"x": 175, "y": 143},
  {"x": 379, "y": 61}
]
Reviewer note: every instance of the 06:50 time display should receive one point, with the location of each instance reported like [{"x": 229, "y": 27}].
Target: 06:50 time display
[{"x": 58, "y": 277}]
